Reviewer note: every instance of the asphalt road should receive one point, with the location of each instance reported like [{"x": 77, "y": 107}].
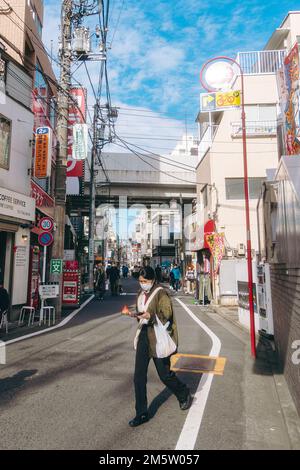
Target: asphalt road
[{"x": 72, "y": 388}]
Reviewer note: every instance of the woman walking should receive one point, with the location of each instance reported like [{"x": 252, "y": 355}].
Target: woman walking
[{"x": 154, "y": 301}]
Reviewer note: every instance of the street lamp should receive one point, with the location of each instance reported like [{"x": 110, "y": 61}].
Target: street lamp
[{"x": 218, "y": 74}]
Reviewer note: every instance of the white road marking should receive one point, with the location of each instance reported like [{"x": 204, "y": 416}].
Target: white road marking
[
  {"x": 62, "y": 323},
  {"x": 191, "y": 427},
  {"x": 2, "y": 352}
]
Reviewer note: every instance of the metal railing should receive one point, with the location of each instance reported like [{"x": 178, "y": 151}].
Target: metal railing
[
  {"x": 260, "y": 62},
  {"x": 256, "y": 128}
]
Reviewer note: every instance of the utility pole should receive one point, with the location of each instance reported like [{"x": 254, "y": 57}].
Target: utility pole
[
  {"x": 92, "y": 206},
  {"x": 62, "y": 136}
]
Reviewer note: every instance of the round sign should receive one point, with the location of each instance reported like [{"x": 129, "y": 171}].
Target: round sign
[
  {"x": 46, "y": 224},
  {"x": 45, "y": 239}
]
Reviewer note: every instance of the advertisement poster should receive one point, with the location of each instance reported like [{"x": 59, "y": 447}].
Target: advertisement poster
[
  {"x": 243, "y": 295},
  {"x": 216, "y": 245},
  {"x": 291, "y": 111},
  {"x": 75, "y": 168},
  {"x": 71, "y": 284}
]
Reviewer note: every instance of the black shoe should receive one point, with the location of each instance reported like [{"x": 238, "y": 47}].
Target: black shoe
[
  {"x": 138, "y": 420},
  {"x": 186, "y": 404}
]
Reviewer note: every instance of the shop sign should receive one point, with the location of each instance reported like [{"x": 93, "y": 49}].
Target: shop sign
[
  {"x": 56, "y": 266},
  {"x": 43, "y": 150},
  {"x": 49, "y": 291},
  {"x": 42, "y": 200},
  {"x": 80, "y": 142},
  {"x": 21, "y": 252},
  {"x": 220, "y": 101},
  {"x": 16, "y": 205},
  {"x": 71, "y": 286}
]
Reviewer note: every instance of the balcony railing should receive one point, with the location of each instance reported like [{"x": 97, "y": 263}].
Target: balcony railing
[
  {"x": 260, "y": 62},
  {"x": 206, "y": 139},
  {"x": 254, "y": 128}
]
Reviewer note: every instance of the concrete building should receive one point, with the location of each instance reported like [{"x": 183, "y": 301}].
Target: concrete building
[
  {"x": 220, "y": 193},
  {"x": 31, "y": 83},
  {"x": 17, "y": 208}
]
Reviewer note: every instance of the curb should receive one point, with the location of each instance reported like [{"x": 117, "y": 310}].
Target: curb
[{"x": 55, "y": 327}]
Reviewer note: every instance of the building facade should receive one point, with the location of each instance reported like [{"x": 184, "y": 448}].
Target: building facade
[{"x": 220, "y": 172}]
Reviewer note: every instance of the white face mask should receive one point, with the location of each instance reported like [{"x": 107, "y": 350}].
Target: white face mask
[{"x": 146, "y": 286}]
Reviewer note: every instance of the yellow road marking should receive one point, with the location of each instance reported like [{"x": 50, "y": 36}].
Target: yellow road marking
[{"x": 217, "y": 369}]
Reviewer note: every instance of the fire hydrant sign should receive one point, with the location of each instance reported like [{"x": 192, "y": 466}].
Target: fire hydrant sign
[{"x": 43, "y": 148}]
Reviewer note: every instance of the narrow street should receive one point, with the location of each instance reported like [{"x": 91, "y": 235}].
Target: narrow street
[{"x": 73, "y": 388}]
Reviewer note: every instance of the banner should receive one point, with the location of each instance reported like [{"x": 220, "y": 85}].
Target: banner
[
  {"x": 75, "y": 168},
  {"x": 80, "y": 142},
  {"x": 292, "y": 112},
  {"x": 216, "y": 243}
]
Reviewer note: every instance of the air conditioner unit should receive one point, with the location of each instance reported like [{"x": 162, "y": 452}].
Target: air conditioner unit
[{"x": 241, "y": 249}]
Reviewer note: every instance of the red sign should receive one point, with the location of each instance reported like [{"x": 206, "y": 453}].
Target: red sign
[
  {"x": 42, "y": 199},
  {"x": 46, "y": 224},
  {"x": 45, "y": 239},
  {"x": 71, "y": 265},
  {"x": 71, "y": 287}
]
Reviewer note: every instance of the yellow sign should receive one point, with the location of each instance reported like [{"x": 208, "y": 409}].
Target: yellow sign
[
  {"x": 220, "y": 101},
  {"x": 228, "y": 99}
]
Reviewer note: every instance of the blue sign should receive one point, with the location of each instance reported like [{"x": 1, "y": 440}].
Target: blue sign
[
  {"x": 42, "y": 130},
  {"x": 45, "y": 238}
]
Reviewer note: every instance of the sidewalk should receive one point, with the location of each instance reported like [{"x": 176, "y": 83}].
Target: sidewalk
[
  {"x": 272, "y": 418},
  {"x": 15, "y": 331}
]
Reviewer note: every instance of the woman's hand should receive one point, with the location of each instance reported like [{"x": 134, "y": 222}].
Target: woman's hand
[{"x": 145, "y": 316}]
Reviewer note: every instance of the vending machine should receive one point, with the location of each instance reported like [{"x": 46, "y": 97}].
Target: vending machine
[{"x": 266, "y": 325}]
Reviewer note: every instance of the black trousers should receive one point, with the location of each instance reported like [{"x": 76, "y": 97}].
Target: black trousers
[{"x": 168, "y": 377}]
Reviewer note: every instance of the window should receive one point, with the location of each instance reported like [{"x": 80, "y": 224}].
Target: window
[
  {"x": 5, "y": 136},
  {"x": 235, "y": 188}
]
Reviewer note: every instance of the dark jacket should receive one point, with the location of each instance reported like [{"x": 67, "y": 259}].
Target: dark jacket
[
  {"x": 161, "y": 305},
  {"x": 114, "y": 274},
  {"x": 4, "y": 299}
]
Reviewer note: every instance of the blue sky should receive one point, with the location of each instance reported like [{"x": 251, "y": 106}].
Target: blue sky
[{"x": 157, "y": 53}]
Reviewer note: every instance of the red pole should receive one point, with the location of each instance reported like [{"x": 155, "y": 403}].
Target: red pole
[
  {"x": 249, "y": 251},
  {"x": 246, "y": 189}
]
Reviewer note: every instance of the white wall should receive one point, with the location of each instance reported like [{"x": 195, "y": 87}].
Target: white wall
[
  {"x": 16, "y": 178},
  {"x": 20, "y": 276}
]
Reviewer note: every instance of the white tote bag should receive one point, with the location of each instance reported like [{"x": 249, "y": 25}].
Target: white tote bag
[{"x": 165, "y": 346}]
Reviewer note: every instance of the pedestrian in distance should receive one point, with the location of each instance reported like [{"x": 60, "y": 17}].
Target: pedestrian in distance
[
  {"x": 177, "y": 277},
  {"x": 114, "y": 276},
  {"x": 158, "y": 273},
  {"x": 100, "y": 282},
  {"x": 125, "y": 271},
  {"x": 152, "y": 301}
]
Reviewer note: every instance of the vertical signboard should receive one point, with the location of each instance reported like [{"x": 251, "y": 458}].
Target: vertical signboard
[
  {"x": 75, "y": 168},
  {"x": 71, "y": 284},
  {"x": 292, "y": 100},
  {"x": 43, "y": 149}
]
